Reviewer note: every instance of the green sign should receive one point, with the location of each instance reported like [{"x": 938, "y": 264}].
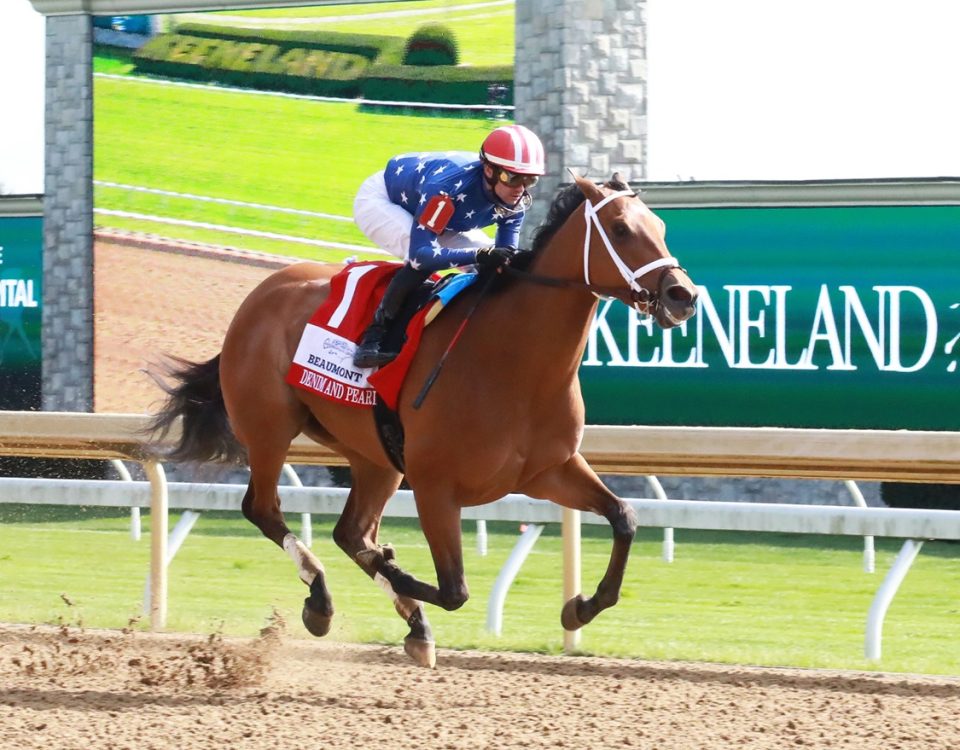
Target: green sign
[
  {"x": 837, "y": 317},
  {"x": 21, "y": 279}
]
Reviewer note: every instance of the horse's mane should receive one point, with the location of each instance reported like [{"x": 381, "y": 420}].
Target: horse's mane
[{"x": 567, "y": 201}]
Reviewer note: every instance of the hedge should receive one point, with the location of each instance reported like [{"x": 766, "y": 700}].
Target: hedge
[
  {"x": 431, "y": 44},
  {"x": 320, "y": 64},
  {"x": 254, "y": 64},
  {"x": 438, "y": 83},
  {"x": 374, "y": 47}
]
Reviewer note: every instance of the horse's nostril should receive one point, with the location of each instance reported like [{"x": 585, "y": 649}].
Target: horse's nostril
[{"x": 680, "y": 293}]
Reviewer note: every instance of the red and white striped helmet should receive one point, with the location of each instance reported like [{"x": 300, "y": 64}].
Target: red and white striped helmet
[{"x": 515, "y": 148}]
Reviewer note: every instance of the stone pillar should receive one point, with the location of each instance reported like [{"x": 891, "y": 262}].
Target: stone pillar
[
  {"x": 581, "y": 84},
  {"x": 68, "y": 216}
]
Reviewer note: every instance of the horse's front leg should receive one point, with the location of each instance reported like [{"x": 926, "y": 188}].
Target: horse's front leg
[{"x": 575, "y": 485}]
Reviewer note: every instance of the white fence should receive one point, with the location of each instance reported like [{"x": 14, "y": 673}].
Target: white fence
[{"x": 891, "y": 455}]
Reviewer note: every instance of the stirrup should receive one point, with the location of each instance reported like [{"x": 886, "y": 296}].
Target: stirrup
[
  {"x": 369, "y": 355},
  {"x": 368, "y": 350}
]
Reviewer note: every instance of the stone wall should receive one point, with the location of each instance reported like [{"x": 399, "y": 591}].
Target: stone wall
[
  {"x": 68, "y": 216},
  {"x": 581, "y": 84}
]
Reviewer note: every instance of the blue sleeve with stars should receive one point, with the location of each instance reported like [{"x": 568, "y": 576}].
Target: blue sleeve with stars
[
  {"x": 413, "y": 179},
  {"x": 508, "y": 232}
]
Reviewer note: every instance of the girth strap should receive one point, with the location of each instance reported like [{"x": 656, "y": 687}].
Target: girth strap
[{"x": 390, "y": 432}]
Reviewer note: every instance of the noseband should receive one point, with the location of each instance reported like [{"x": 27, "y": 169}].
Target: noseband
[{"x": 644, "y": 300}]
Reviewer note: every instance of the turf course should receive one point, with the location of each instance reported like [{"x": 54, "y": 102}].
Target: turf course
[{"x": 769, "y": 599}]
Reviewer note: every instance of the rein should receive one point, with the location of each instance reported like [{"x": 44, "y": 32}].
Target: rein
[
  {"x": 634, "y": 294},
  {"x": 428, "y": 383}
]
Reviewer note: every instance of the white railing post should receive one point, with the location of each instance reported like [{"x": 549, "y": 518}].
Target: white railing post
[
  {"x": 176, "y": 539},
  {"x": 658, "y": 491},
  {"x": 571, "y": 569},
  {"x": 306, "y": 523},
  {"x": 869, "y": 553},
  {"x": 135, "y": 524},
  {"x": 481, "y": 537},
  {"x": 881, "y": 602},
  {"x": 498, "y": 594},
  {"x": 158, "y": 544}
]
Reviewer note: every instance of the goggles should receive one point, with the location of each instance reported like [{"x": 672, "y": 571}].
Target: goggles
[{"x": 515, "y": 180}]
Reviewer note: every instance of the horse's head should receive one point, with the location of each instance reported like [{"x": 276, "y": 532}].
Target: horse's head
[{"x": 625, "y": 249}]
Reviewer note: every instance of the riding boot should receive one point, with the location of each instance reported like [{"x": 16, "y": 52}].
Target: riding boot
[{"x": 369, "y": 353}]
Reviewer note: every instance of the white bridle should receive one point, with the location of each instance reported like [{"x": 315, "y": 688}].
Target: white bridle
[{"x": 590, "y": 213}]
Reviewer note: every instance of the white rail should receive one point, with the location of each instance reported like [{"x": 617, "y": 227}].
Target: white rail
[
  {"x": 709, "y": 515},
  {"x": 895, "y": 455},
  {"x": 915, "y": 525},
  {"x": 227, "y": 229},
  {"x": 222, "y": 201}
]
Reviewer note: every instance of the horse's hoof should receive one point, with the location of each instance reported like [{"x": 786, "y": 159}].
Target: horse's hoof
[
  {"x": 424, "y": 653},
  {"x": 569, "y": 617},
  {"x": 316, "y": 623}
]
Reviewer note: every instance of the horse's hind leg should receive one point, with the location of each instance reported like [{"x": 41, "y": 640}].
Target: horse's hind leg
[
  {"x": 356, "y": 534},
  {"x": 440, "y": 521},
  {"x": 575, "y": 485},
  {"x": 261, "y": 506}
]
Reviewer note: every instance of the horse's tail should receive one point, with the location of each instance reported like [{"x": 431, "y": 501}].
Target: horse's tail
[{"x": 196, "y": 399}]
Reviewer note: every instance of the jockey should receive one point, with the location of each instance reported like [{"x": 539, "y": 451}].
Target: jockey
[{"x": 428, "y": 210}]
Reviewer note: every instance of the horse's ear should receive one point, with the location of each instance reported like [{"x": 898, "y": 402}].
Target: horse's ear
[
  {"x": 588, "y": 188},
  {"x": 618, "y": 182}
]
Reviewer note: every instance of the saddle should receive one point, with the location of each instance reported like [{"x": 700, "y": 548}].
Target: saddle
[{"x": 323, "y": 362}]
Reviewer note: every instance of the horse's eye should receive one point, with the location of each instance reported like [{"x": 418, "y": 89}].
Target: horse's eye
[{"x": 621, "y": 230}]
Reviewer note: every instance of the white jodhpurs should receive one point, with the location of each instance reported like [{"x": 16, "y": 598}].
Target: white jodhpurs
[{"x": 388, "y": 225}]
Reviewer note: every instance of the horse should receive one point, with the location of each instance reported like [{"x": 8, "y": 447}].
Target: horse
[{"x": 505, "y": 414}]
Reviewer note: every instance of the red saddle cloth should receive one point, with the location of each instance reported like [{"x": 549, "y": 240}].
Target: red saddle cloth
[{"x": 323, "y": 363}]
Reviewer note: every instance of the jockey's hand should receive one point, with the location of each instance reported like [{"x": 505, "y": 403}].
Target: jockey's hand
[{"x": 494, "y": 257}]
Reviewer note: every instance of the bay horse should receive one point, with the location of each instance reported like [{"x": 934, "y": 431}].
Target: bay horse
[{"x": 505, "y": 414}]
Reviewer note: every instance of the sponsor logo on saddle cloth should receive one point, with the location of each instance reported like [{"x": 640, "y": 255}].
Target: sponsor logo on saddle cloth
[{"x": 323, "y": 363}]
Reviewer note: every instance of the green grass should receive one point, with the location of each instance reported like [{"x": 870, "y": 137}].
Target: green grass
[
  {"x": 485, "y": 36},
  {"x": 770, "y": 599},
  {"x": 284, "y": 152}
]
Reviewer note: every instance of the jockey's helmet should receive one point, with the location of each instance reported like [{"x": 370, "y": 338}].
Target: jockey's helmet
[{"x": 514, "y": 148}]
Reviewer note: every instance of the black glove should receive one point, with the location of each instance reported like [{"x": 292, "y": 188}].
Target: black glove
[{"x": 493, "y": 257}]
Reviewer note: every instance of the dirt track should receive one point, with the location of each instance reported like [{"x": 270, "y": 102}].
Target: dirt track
[
  {"x": 110, "y": 690},
  {"x": 149, "y": 303}
]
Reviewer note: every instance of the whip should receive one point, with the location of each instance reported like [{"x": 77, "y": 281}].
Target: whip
[{"x": 428, "y": 384}]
